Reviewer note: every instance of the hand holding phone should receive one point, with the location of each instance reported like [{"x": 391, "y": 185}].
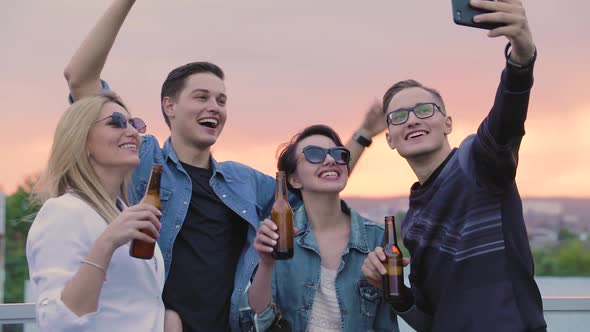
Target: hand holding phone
[
  {"x": 463, "y": 14},
  {"x": 504, "y": 18}
]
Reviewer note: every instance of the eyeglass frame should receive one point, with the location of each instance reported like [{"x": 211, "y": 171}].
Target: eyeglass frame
[
  {"x": 120, "y": 121},
  {"x": 326, "y": 152},
  {"x": 413, "y": 110}
]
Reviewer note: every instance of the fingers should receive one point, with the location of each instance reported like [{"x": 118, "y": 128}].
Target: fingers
[
  {"x": 266, "y": 237},
  {"x": 374, "y": 122},
  {"x": 511, "y": 15},
  {"x": 143, "y": 212},
  {"x": 373, "y": 269},
  {"x": 495, "y": 6},
  {"x": 376, "y": 107},
  {"x": 405, "y": 261},
  {"x": 139, "y": 235},
  {"x": 143, "y": 207}
]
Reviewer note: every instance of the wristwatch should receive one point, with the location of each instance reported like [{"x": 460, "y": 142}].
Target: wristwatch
[{"x": 362, "y": 140}]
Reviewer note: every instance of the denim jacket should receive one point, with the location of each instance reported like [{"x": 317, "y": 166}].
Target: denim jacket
[
  {"x": 249, "y": 193},
  {"x": 295, "y": 281}
]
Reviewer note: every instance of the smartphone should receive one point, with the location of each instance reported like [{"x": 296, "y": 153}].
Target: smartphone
[{"x": 463, "y": 14}]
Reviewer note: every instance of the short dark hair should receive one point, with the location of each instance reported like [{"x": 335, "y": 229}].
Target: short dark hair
[
  {"x": 176, "y": 80},
  {"x": 402, "y": 85},
  {"x": 287, "y": 160}
]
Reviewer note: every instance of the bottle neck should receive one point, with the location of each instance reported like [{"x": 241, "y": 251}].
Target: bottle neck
[
  {"x": 390, "y": 233},
  {"x": 154, "y": 182},
  {"x": 281, "y": 189}
]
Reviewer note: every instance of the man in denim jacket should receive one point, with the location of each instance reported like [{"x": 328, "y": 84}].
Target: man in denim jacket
[{"x": 211, "y": 209}]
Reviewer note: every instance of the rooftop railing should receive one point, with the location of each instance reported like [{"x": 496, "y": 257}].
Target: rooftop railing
[{"x": 562, "y": 313}]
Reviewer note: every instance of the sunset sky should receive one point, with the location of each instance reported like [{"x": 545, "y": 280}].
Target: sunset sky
[{"x": 290, "y": 64}]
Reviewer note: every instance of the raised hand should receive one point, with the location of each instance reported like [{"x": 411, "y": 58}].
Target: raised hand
[
  {"x": 511, "y": 14},
  {"x": 374, "y": 122}
]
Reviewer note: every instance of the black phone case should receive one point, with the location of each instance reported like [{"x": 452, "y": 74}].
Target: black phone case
[{"x": 463, "y": 14}]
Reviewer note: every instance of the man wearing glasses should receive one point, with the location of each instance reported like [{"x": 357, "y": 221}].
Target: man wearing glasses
[{"x": 471, "y": 265}]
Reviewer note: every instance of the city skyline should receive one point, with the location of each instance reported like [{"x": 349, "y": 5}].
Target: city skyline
[{"x": 290, "y": 65}]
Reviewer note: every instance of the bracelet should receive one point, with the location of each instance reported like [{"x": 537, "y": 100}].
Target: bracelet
[
  {"x": 95, "y": 265},
  {"x": 362, "y": 140}
]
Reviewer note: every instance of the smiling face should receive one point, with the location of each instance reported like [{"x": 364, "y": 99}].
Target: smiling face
[
  {"x": 324, "y": 177},
  {"x": 416, "y": 137},
  {"x": 198, "y": 114},
  {"x": 110, "y": 147}
]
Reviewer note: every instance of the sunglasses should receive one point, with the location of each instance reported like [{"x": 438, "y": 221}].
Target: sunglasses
[
  {"x": 316, "y": 154},
  {"x": 421, "y": 111},
  {"x": 120, "y": 121}
]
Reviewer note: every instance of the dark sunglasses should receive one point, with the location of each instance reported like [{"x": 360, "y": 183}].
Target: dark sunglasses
[
  {"x": 120, "y": 121},
  {"x": 421, "y": 111},
  {"x": 316, "y": 154}
]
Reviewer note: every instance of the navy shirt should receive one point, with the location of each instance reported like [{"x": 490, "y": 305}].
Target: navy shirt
[{"x": 472, "y": 268}]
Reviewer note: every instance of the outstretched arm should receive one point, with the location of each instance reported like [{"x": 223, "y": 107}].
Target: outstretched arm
[
  {"x": 83, "y": 71},
  {"x": 495, "y": 149},
  {"x": 506, "y": 120},
  {"x": 373, "y": 124}
]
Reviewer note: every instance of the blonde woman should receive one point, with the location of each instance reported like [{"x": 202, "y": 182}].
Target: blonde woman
[{"x": 77, "y": 247}]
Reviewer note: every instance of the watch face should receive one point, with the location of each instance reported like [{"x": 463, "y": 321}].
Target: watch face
[{"x": 362, "y": 140}]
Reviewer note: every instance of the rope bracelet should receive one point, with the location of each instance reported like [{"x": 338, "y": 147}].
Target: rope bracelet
[{"x": 84, "y": 261}]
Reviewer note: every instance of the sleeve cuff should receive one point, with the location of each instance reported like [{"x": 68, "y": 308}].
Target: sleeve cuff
[
  {"x": 54, "y": 315},
  {"x": 263, "y": 320},
  {"x": 517, "y": 77},
  {"x": 417, "y": 319}
]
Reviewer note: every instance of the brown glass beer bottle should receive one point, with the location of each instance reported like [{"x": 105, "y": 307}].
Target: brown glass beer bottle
[
  {"x": 393, "y": 280},
  {"x": 142, "y": 249},
  {"x": 282, "y": 215}
]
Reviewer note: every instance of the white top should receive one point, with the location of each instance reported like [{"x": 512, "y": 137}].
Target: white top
[
  {"x": 61, "y": 236},
  {"x": 325, "y": 312}
]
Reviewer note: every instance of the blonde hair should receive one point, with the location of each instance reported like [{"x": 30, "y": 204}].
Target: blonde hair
[{"x": 69, "y": 168}]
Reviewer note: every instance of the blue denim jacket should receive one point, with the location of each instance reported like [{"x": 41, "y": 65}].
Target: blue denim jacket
[
  {"x": 249, "y": 193},
  {"x": 295, "y": 281}
]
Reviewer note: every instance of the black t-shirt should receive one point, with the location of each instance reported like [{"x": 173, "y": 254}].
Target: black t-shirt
[{"x": 205, "y": 255}]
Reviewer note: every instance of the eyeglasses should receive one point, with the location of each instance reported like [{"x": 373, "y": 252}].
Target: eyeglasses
[
  {"x": 316, "y": 154},
  {"x": 421, "y": 111},
  {"x": 120, "y": 121}
]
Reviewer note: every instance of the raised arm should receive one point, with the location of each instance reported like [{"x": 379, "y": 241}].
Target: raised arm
[
  {"x": 83, "y": 71},
  {"x": 506, "y": 119},
  {"x": 372, "y": 125},
  {"x": 496, "y": 146}
]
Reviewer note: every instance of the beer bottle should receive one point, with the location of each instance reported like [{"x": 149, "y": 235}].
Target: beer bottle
[
  {"x": 142, "y": 249},
  {"x": 282, "y": 215},
  {"x": 393, "y": 280}
]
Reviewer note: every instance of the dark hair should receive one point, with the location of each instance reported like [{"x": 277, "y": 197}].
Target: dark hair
[
  {"x": 176, "y": 80},
  {"x": 287, "y": 152},
  {"x": 402, "y": 85}
]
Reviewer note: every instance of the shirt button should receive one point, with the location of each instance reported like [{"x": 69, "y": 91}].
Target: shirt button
[
  {"x": 177, "y": 226},
  {"x": 243, "y": 211},
  {"x": 185, "y": 202},
  {"x": 224, "y": 195}
]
